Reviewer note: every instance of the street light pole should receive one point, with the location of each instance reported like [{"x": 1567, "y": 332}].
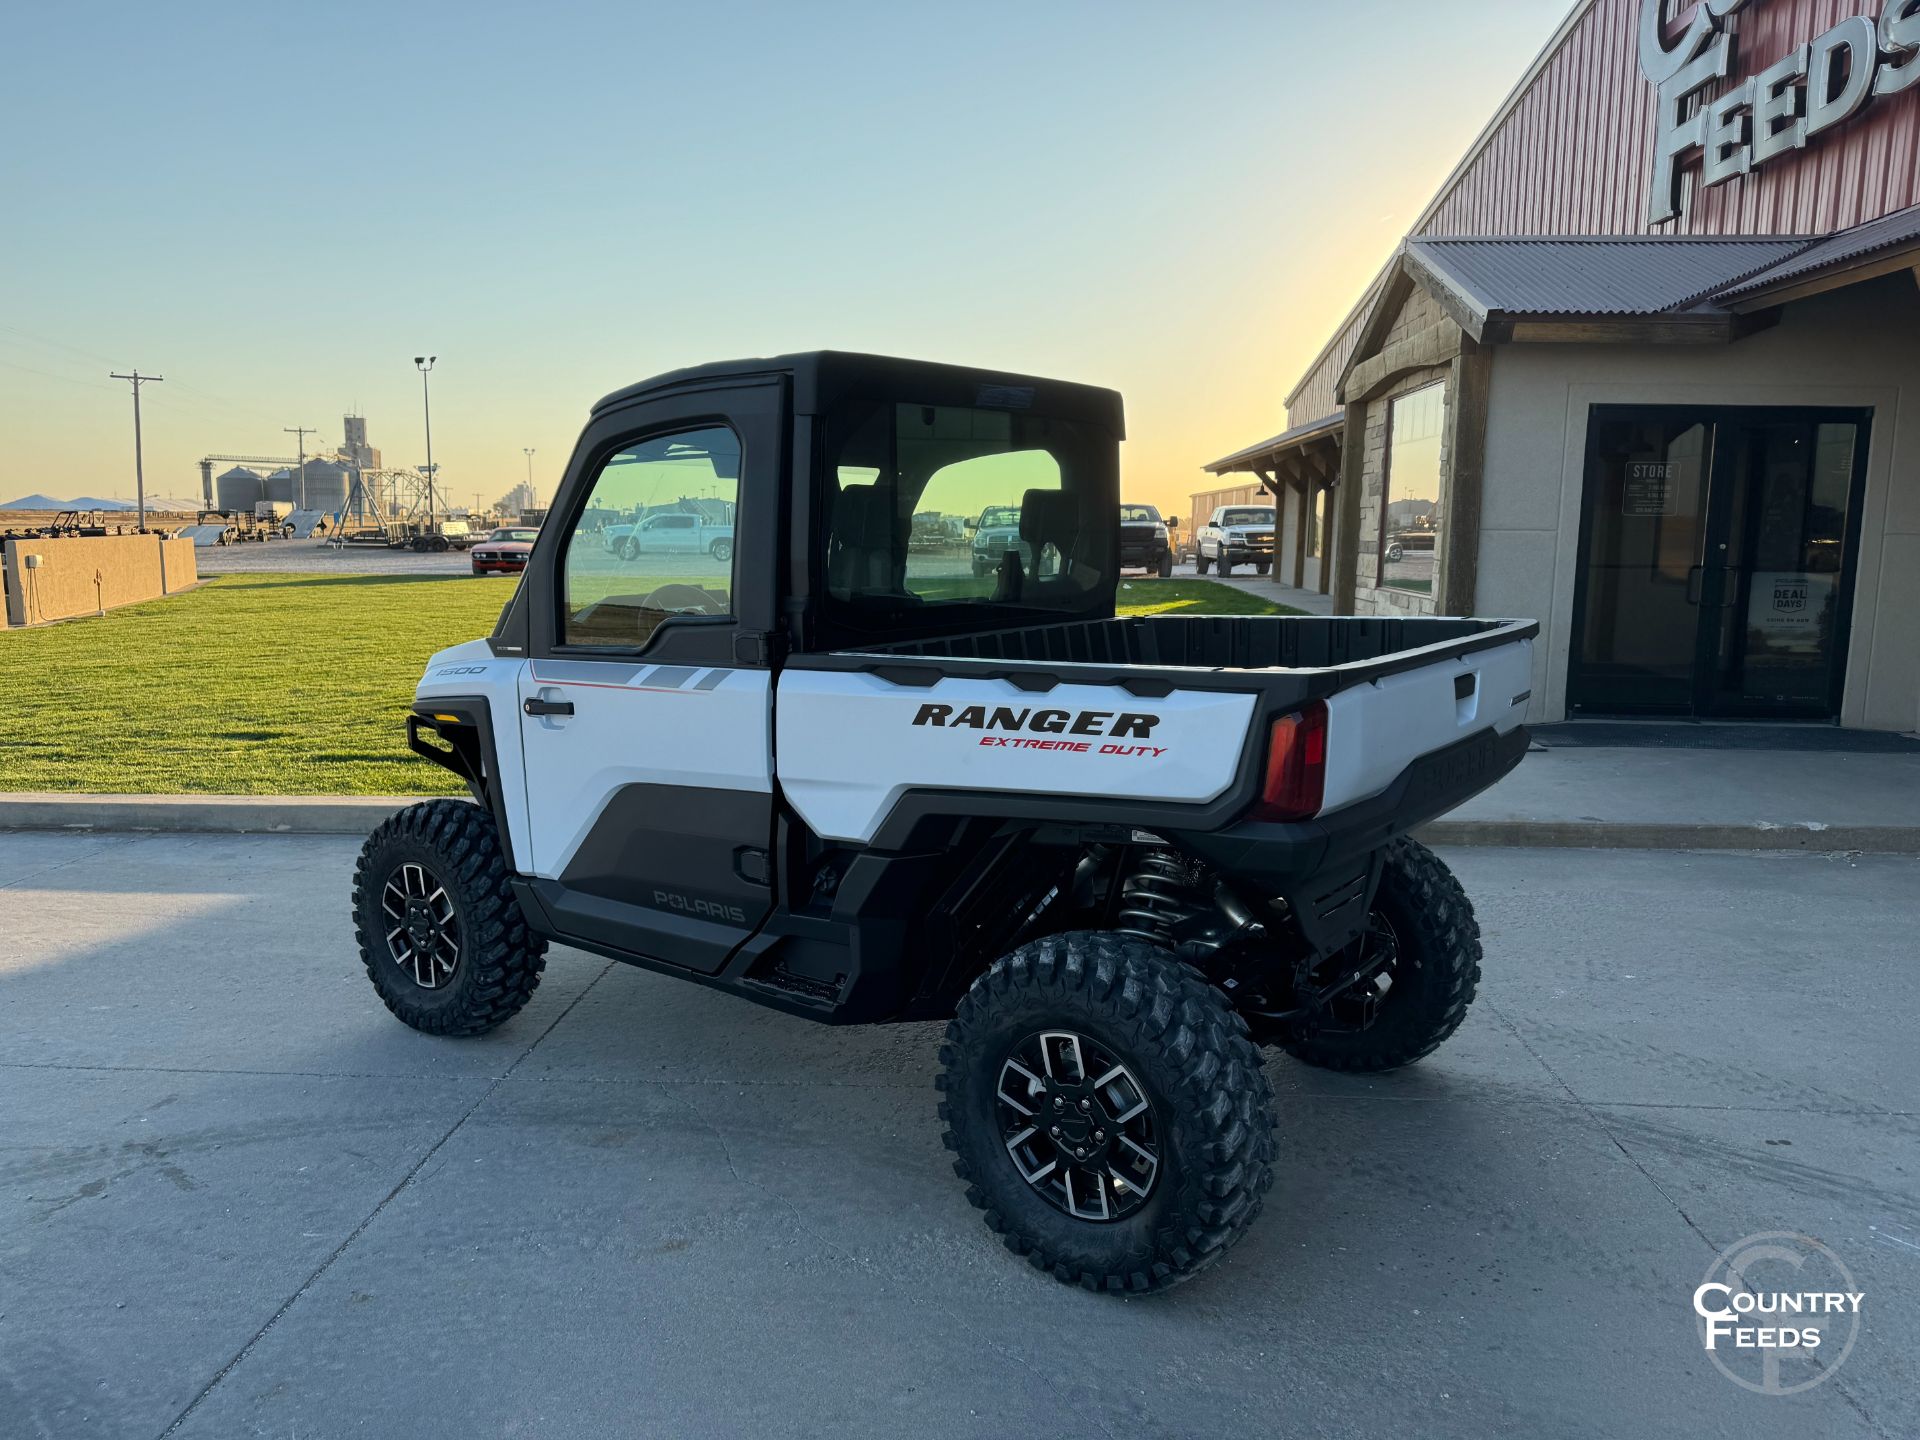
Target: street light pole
[
  {"x": 533, "y": 496},
  {"x": 425, "y": 363},
  {"x": 139, "y": 461}
]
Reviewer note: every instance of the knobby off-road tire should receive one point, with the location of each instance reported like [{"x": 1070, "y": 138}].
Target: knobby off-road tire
[
  {"x": 1211, "y": 1107},
  {"x": 1436, "y": 971},
  {"x": 498, "y": 961}
]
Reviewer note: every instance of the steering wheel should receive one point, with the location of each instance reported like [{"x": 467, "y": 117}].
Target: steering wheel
[{"x": 684, "y": 600}]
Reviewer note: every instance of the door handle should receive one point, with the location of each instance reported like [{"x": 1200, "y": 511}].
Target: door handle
[
  {"x": 1695, "y": 583},
  {"x": 548, "y": 707}
]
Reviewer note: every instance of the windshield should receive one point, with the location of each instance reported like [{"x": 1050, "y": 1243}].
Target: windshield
[
  {"x": 525, "y": 537},
  {"x": 1247, "y": 517},
  {"x": 941, "y": 518},
  {"x": 1139, "y": 515}
]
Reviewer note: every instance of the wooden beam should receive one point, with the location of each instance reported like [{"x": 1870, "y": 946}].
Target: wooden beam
[
  {"x": 1465, "y": 480},
  {"x": 1347, "y": 529},
  {"x": 1325, "y": 577},
  {"x": 1432, "y": 346},
  {"x": 1619, "y": 330},
  {"x": 1299, "y": 539}
]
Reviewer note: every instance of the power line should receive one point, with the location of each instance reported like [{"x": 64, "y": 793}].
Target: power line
[
  {"x": 139, "y": 463},
  {"x": 302, "y": 432}
]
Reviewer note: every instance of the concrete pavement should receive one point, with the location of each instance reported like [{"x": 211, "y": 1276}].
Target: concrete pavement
[
  {"x": 237, "y": 1198},
  {"x": 1716, "y": 799}
]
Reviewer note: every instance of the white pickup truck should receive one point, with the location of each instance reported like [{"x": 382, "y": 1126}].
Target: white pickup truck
[
  {"x": 867, "y": 783},
  {"x": 1236, "y": 535}
]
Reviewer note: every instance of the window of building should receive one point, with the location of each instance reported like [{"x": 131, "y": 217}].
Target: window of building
[
  {"x": 654, "y": 540},
  {"x": 1409, "y": 554}
]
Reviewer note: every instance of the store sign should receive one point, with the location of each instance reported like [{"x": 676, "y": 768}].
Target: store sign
[
  {"x": 1810, "y": 90},
  {"x": 1651, "y": 488}
]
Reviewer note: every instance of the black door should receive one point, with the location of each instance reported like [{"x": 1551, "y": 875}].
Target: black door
[{"x": 1716, "y": 561}]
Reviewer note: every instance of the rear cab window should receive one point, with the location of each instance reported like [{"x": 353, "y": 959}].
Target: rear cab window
[{"x": 943, "y": 518}]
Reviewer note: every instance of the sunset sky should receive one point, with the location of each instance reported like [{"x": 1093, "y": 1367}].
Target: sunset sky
[{"x": 277, "y": 208}]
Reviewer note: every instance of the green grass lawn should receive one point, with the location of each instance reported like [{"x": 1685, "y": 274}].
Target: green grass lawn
[{"x": 283, "y": 684}]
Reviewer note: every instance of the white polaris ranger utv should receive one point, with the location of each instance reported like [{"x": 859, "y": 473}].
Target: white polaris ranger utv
[{"x": 856, "y": 781}]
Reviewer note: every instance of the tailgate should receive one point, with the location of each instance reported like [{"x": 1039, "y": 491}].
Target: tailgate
[{"x": 1376, "y": 728}]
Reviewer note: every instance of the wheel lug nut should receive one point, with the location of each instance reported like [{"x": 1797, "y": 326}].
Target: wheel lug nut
[
  {"x": 1086, "y": 1104},
  {"x": 1099, "y": 1135},
  {"x": 1055, "y": 1132},
  {"x": 1058, "y": 1103},
  {"x": 1079, "y": 1154}
]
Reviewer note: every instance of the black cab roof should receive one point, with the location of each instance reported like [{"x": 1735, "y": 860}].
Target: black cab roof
[{"x": 823, "y": 378}]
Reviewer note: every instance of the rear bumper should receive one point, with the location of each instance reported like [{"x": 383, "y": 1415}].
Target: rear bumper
[
  {"x": 1326, "y": 866},
  {"x": 1147, "y": 553}
]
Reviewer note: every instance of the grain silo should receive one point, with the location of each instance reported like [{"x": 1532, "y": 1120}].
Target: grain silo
[
  {"x": 280, "y": 487},
  {"x": 326, "y": 488},
  {"x": 238, "y": 490}
]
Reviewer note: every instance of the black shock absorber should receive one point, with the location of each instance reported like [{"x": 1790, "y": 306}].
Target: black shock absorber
[{"x": 1154, "y": 897}]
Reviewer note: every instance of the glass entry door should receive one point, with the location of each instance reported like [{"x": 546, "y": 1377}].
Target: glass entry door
[{"x": 1716, "y": 561}]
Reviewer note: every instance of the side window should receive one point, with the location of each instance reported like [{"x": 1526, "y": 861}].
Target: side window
[
  {"x": 1409, "y": 554},
  {"x": 654, "y": 540}
]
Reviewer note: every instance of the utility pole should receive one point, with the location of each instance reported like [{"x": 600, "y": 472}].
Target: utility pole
[
  {"x": 533, "y": 496},
  {"x": 302, "y": 433},
  {"x": 424, "y": 363},
  {"x": 139, "y": 461}
]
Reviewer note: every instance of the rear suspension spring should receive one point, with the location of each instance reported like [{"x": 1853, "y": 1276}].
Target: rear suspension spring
[{"x": 1154, "y": 897}]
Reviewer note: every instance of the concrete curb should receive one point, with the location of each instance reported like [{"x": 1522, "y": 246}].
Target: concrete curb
[
  {"x": 1671, "y": 835},
  {"x": 356, "y": 815},
  {"x": 200, "y": 814}
]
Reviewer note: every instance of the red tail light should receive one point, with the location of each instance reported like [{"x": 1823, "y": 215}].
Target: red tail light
[{"x": 1296, "y": 781}]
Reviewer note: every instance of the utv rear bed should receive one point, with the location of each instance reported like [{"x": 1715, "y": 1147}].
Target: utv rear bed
[{"x": 1320, "y": 654}]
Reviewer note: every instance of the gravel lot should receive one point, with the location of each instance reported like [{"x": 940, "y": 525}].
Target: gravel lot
[{"x": 237, "y": 1198}]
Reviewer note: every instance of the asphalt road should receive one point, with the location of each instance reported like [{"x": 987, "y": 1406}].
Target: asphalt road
[{"x": 237, "y": 1198}]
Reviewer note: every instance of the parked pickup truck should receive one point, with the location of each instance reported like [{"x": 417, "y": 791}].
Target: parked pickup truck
[
  {"x": 1144, "y": 541},
  {"x": 671, "y": 532},
  {"x": 1116, "y": 853},
  {"x": 1236, "y": 535}
]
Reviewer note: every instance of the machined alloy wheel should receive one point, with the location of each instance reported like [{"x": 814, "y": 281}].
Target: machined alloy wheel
[
  {"x": 629, "y": 548},
  {"x": 1078, "y": 1126},
  {"x": 423, "y": 937},
  {"x": 1106, "y": 1111},
  {"x": 721, "y": 550},
  {"x": 441, "y": 935}
]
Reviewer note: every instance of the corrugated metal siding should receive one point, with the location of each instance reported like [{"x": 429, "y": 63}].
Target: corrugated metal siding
[{"x": 1575, "y": 155}]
